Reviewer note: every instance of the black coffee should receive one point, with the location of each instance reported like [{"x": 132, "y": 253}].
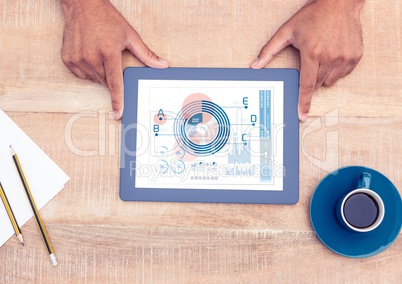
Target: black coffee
[{"x": 360, "y": 210}]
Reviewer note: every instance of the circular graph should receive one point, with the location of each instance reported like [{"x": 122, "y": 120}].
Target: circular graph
[{"x": 202, "y": 128}]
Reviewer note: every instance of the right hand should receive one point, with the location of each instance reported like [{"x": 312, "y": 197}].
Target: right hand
[
  {"x": 328, "y": 34},
  {"x": 95, "y": 34}
]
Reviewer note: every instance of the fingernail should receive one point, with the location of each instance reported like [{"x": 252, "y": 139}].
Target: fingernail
[
  {"x": 255, "y": 63},
  {"x": 116, "y": 115},
  {"x": 164, "y": 62},
  {"x": 304, "y": 117}
]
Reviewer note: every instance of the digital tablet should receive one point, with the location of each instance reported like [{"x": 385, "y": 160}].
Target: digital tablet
[{"x": 210, "y": 135}]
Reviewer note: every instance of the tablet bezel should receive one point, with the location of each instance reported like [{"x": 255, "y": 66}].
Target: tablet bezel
[{"x": 290, "y": 192}]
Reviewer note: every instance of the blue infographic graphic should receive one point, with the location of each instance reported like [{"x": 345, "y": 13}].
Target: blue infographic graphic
[{"x": 188, "y": 120}]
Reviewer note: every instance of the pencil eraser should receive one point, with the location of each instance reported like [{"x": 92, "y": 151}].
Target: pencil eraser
[{"x": 53, "y": 259}]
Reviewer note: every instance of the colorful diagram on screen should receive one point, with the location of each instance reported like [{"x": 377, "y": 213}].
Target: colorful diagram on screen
[
  {"x": 202, "y": 127},
  {"x": 208, "y": 137}
]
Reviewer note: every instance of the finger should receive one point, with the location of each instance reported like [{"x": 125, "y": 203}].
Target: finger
[
  {"x": 336, "y": 73},
  {"x": 83, "y": 71},
  {"x": 279, "y": 41},
  {"x": 323, "y": 72},
  {"x": 76, "y": 71},
  {"x": 143, "y": 53},
  {"x": 349, "y": 68},
  {"x": 79, "y": 68},
  {"x": 98, "y": 72},
  {"x": 308, "y": 82},
  {"x": 89, "y": 73},
  {"x": 334, "y": 76},
  {"x": 114, "y": 81}
]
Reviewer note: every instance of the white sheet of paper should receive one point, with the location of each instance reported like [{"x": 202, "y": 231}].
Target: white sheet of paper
[{"x": 44, "y": 177}]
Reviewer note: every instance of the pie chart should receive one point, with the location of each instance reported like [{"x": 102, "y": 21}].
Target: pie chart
[{"x": 202, "y": 128}]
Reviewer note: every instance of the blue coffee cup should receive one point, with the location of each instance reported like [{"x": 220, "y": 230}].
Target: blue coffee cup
[{"x": 362, "y": 209}]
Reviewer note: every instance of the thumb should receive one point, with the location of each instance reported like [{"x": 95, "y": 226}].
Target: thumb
[
  {"x": 142, "y": 52},
  {"x": 280, "y": 40}
]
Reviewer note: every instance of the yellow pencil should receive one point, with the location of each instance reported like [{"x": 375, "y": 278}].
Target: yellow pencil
[
  {"x": 10, "y": 213},
  {"x": 38, "y": 218}
]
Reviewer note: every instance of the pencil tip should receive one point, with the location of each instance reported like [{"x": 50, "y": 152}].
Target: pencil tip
[
  {"x": 12, "y": 150},
  {"x": 23, "y": 244},
  {"x": 21, "y": 239}
]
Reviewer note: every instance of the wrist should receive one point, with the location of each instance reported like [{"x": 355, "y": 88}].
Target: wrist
[
  {"x": 69, "y": 6},
  {"x": 356, "y": 5},
  {"x": 352, "y": 6}
]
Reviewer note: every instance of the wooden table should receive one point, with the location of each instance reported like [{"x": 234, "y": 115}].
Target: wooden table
[{"x": 101, "y": 239}]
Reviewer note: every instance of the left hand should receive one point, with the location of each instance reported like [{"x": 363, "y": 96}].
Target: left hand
[
  {"x": 95, "y": 33},
  {"x": 328, "y": 34}
]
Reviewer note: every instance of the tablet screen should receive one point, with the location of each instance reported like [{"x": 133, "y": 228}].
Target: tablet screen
[{"x": 210, "y": 134}]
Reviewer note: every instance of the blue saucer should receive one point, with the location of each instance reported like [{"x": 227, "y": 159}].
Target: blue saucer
[{"x": 341, "y": 240}]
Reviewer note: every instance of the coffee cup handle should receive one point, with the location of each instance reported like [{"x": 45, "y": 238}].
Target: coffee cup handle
[{"x": 364, "y": 181}]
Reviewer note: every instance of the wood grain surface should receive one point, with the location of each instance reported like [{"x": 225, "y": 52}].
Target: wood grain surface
[{"x": 100, "y": 239}]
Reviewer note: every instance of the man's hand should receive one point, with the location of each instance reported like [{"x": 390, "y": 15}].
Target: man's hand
[
  {"x": 95, "y": 34},
  {"x": 328, "y": 35}
]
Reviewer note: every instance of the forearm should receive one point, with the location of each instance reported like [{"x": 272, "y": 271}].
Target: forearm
[
  {"x": 353, "y": 6},
  {"x": 74, "y": 2}
]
